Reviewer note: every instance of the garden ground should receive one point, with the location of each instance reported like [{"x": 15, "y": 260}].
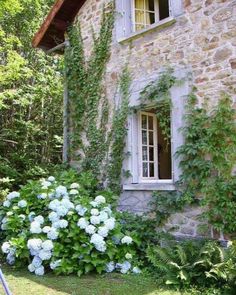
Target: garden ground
[{"x": 21, "y": 282}]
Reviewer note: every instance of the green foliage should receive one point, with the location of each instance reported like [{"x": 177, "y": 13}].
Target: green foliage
[
  {"x": 158, "y": 93},
  {"x": 191, "y": 263},
  {"x": 165, "y": 203},
  {"x": 207, "y": 160},
  {"x": 30, "y": 95},
  {"x": 118, "y": 135}
]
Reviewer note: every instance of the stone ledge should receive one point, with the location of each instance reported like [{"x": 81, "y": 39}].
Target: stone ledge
[
  {"x": 157, "y": 26},
  {"x": 149, "y": 187}
]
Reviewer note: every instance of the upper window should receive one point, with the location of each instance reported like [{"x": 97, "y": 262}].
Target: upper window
[{"x": 147, "y": 12}]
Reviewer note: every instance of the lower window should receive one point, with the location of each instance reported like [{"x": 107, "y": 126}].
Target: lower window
[{"x": 155, "y": 155}]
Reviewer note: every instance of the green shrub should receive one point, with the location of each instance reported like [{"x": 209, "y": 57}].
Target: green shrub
[{"x": 63, "y": 224}]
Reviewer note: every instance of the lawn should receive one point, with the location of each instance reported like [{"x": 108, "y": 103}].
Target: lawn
[{"x": 21, "y": 282}]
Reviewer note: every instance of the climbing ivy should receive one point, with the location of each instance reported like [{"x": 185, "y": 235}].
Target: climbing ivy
[
  {"x": 207, "y": 160},
  {"x": 158, "y": 94},
  {"x": 119, "y": 132}
]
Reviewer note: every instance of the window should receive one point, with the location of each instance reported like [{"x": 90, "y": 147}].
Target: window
[
  {"x": 155, "y": 157},
  {"x": 147, "y": 12}
]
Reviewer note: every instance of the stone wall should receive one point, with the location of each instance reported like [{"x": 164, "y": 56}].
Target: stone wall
[{"x": 202, "y": 39}]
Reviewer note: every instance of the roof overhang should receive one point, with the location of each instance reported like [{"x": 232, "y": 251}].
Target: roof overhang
[{"x": 60, "y": 17}]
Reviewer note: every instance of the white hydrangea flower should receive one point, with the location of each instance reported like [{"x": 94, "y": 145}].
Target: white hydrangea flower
[
  {"x": 10, "y": 259},
  {"x": 90, "y": 229},
  {"x": 74, "y": 185},
  {"x": 73, "y": 192},
  {"x": 37, "y": 262},
  {"x": 125, "y": 267},
  {"x": 47, "y": 245},
  {"x": 63, "y": 223},
  {"x": 45, "y": 255},
  {"x": 22, "y": 216},
  {"x": 39, "y": 219},
  {"x": 52, "y": 234},
  {"x": 103, "y": 231},
  {"x": 62, "y": 211},
  {"x": 31, "y": 216},
  {"x": 35, "y": 228},
  {"x": 126, "y": 240},
  {"x": 81, "y": 210},
  {"x": 39, "y": 271},
  {"x": 110, "y": 223},
  {"x": 103, "y": 216},
  {"x": 82, "y": 223},
  {"x": 42, "y": 196},
  {"x": 61, "y": 190},
  {"x": 13, "y": 195},
  {"x": 34, "y": 244},
  {"x": 93, "y": 203},
  {"x": 31, "y": 267},
  {"x": 107, "y": 210},
  {"x": 9, "y": 213},
  {"x": 53, "y": 217},
  {"x": 54, "y": 204},
  {"x": 98, "y": 242},
  {"x": 15, "y": 208},
  {"x": 51, "y": 178},
  {"x": 136, "y": 270},
  {"x": 110, "y": 266},
  {"x": 22, "y": 204},
  {"x": 46, "y": 229},
  {"x": 45, "y": 184},
  {"x": 95, "y": 220},
  {"x": 94, "y": 212},
  {"x": 100, "y": 200},
  {"x": 6, "y": 203},
  {"x": 6, "y": 247},
  {"x": 67, "y": 204},
  {"x": 4, "y": 220},
  {"x": 55, "y": 264},
  {"x": 128, "y": 256}
]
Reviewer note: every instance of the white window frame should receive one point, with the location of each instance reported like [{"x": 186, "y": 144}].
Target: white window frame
[
  {"x": 154, "y": 179},
  {"x": 157, "y": 19}
]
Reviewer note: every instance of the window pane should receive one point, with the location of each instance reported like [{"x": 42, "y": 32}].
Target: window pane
[
  {"x": 151, "y": 169},
  {"x": 144, "y": 137},
  {"x": 145, "y": 169},
  {"x": 139, "y": 4},
  {"x": 151, "y": 139},
  {"x": 151, "y": 154},
  {"x": 150, "y": 18},
  {"x": 145, "y": 153},
  {"x": 163, "y": 9},
  {"x": 150, "y": 123},
  {"x": 139, "y": 17},
  {"x": 144, "y": 122},
  {"x": 151, "y": 5}
]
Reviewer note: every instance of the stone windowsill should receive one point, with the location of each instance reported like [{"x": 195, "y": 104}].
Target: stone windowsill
[
  {"x": 157, "y": 26},
  {"x": 149, "y": 187}
]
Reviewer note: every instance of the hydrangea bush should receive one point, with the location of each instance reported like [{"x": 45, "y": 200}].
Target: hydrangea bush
[{"x": 60, "y": 225}]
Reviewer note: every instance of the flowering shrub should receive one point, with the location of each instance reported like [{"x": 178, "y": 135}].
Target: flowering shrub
[{"x": 60, "y": 226}]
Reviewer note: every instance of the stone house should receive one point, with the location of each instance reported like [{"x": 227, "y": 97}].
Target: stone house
[{"x": 196, "y": 38}]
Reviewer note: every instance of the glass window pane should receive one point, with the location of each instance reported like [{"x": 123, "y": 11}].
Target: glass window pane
[
  {"x": 150, "y": 123},
  {"x": 151, "y": 154},
  {"x": 150, "y": 18},
  {"x": 151, "y": 141},
  {"x": 145, "y": 153},
  {"x": 151, "y": 169},
  {"x": 145, "y": 169},
  {"x": 151, "y": 6},
  {"x": 144, "y": 137},
  {"x": 139, "y": 4},
  {"x": 144, "y": 122},
  {"x": 139, "y": 17}
]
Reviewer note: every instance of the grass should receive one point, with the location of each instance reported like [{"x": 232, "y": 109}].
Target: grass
[{"x": 21, "y": 282}]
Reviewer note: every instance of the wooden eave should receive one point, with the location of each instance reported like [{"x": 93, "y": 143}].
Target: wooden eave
[{"x": 52, "y": 31}]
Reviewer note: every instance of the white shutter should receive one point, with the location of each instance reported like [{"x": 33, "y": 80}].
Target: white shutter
[
  {"x": 176, "y": 7},
  {"x": 123, "y": 18}
]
